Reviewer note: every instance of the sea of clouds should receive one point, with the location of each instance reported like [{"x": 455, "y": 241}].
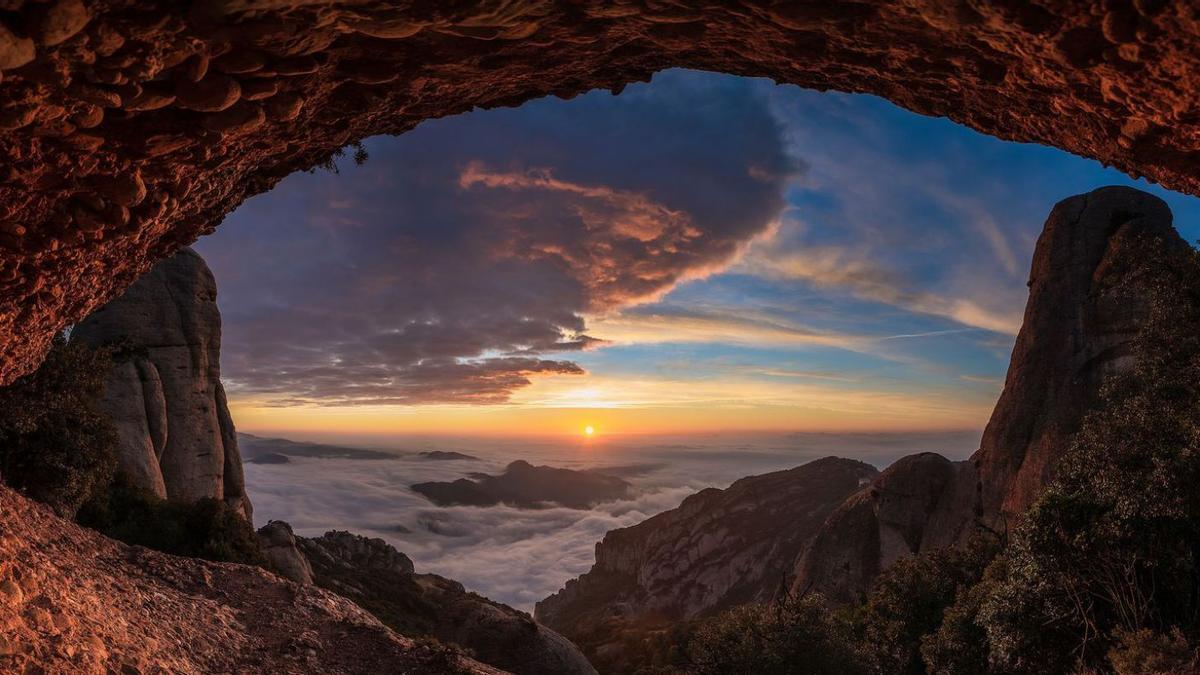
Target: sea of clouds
[{"x": 519, "y": 556}]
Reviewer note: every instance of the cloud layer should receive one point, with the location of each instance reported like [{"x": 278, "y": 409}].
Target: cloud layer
[
  {"x": 461, "y": 258},
  {"x": 520, "y": 556}
]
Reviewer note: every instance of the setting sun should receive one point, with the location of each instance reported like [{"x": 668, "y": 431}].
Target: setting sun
[{"x": 589, "y": 430}]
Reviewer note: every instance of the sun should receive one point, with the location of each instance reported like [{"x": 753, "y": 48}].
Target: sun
[{"x": 589, "y": 430}]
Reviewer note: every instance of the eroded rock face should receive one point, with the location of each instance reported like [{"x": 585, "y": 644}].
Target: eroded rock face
[
  {"x": 279, "y": 545},
  {"x": 1082, "y": 314},
  {"x": 872, "y": 529},
  {"x": 718, "y": 549},
  {"x": 164, "y": 393},
  {"x": 378, "y": 577},
  {"x": 131, "y": 128},
  {"x": 72, "y": 601}
]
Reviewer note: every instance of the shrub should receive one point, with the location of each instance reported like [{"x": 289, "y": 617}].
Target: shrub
[
  {"x": 207, "y": 528},
  {"x": 1146, "y": 652},
  {"x": 794, "y": 635},
  {"x": 1112, "y": 548},
  {"x": 56, "y": 446},
  {"x": 908, "y": 602}
]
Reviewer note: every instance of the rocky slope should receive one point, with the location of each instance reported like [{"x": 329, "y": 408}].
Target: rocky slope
[
  {"x": 72, "y": 601},
  {"x": 132, "y": 127},
  {"x": 164, "y": 394},
  {"x": 527, "y": 486},
  {"x": 717, "y": 549},
  {"x": 382, "y": 580}
]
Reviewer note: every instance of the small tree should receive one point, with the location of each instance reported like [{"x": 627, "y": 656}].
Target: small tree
[
  {"x": 797, "y": 635},
  {"x": 56, "y": 445}
]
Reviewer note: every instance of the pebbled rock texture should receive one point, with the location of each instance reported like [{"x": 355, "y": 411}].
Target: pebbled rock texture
[
  {"x": 164, "y": 393},
  {"x": 130, "y": 128},
  {"x": 72, "y": 601},
  {"x": 718, "y": 549}
]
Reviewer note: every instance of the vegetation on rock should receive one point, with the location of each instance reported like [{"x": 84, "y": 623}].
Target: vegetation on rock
[{"x": 56, "y": 446}]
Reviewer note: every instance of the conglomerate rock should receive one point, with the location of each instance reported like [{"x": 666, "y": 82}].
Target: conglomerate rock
[
  {"x": 164, "y": 394},
  {"x": 130, "y": 127},
  {"x": 73, "y": 601}
]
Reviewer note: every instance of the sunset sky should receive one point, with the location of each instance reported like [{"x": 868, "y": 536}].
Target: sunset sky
[{"x": 701, "y": 253}]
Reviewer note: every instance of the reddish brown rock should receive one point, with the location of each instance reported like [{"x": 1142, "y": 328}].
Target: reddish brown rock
[
  {"x": 76, "y": 602},
  {"x": 1068, "y": 73},
  {"x": 1081, "y": 316}
]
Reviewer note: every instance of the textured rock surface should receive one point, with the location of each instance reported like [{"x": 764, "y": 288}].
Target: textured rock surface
[
  {"x": 72, "y": 601},
  {"x": 1081, "y": 315},
  {"x": 381, "y": 579},
  {"x": 165, "y": 393},
  {"x": 279, "y": 545},
  {"x": 874, "y": 528},
  {"x": 719, "y": 548},
  {"x": 130, "y": 128}
]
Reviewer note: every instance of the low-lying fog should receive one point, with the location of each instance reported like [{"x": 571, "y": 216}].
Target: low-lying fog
[{"x": 519, "y": 556}]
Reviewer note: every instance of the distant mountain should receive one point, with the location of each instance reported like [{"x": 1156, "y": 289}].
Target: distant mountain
[
  {"x": 255, "y": 447},
  {"x": 444, "y": 455},
  {"x": 268, "y": 458},
  {"x": 527, "y": 486}
]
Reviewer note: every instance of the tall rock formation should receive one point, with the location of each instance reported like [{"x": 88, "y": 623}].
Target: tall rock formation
[
  {"x": 719, "y": 548},
  {"x": 1081, "y": 318},
  {"x": 164, "y": 393},
  {"x": 1084, "y": 311}
]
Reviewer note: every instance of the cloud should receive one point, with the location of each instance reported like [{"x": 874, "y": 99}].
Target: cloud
[
  {"x": 520, "y": 556},
  {"x": 464, "y": 255},
  {"x": 868, "y": 278}
]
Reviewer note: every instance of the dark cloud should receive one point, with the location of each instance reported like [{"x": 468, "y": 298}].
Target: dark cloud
[{"x": 464, "y": 254}]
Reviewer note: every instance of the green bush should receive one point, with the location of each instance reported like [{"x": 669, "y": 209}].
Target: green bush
[
  {"x": 56, "y": 446},
  {"x": 908, "y": 601},
  {"x": 794, "y": 636},
  {"x": 207, "y": 528}
]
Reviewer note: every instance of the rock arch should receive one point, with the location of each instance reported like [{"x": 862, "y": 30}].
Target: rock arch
[{"x": 130, "y": 128}]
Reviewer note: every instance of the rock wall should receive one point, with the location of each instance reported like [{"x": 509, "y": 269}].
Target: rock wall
[
  {"x": 72, "y": 601},
  {"x": 717, "y": 549},
  {"x": 164, "y": 393},
  {"x": 1082, "y": 314},
  {"x": 129, "y": 128}
]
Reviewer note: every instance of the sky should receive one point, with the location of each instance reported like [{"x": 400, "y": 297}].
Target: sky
[{"x": 701, "y": 253}]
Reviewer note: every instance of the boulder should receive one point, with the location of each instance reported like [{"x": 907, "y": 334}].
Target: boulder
[
  {"x": 164, "y": 393},
  {"x": 279, "y": 545}
]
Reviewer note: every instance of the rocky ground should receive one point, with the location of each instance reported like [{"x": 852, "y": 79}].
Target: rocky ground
[{"x": 72, "y": 601}]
